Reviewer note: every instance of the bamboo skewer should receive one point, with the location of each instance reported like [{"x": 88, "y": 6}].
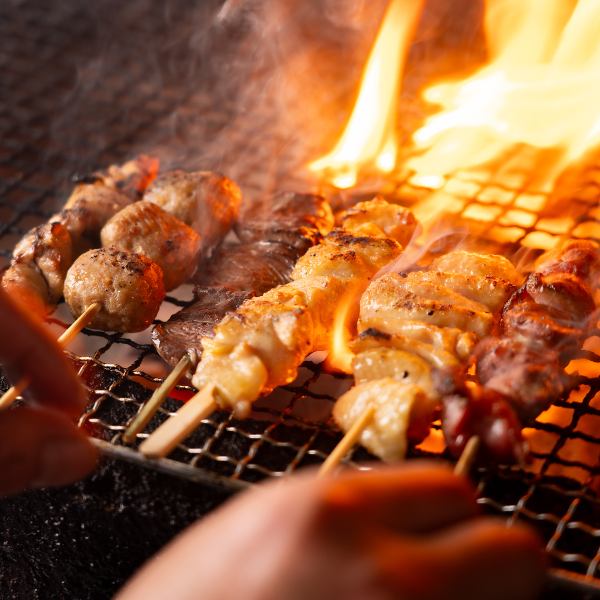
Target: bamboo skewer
[
  {"x": 175, "y": 429},
  {"x": 158, "y": 397},
  {"x": 64, "y": 339},
  {"x": 467, "y": 458},
  {"x": 345, "y": 444}
]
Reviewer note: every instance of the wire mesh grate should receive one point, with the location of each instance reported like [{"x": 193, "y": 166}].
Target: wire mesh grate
[{"x": 290, "y": 429}]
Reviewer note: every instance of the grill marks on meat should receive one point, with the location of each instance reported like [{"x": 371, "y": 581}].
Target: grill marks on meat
[
  {"x": 269, "y": 246},
  {"x": 520, "y": 371},
  {"x": 38, "y": 268}
]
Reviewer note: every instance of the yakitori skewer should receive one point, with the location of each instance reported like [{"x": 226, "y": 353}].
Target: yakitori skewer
[
  {"x": 64, "y": 339},
  {"x": 467, "y": 458},
  {"x": 40, "y": 261},
  {"x": 416, "y": 333},
  {"x": 270, "y": 242},
  {"x": 263, "y": 343},
  {"x": 520, "y": 370}
]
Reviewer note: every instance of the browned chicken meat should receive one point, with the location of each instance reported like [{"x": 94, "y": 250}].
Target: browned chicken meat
[
  {"x": 145, "y": 228},
  {"x": 521, "y": 369},
  {"x": 35, "y": 277},
  {"x": 129, "y": 288},
  {"x": 417, "y": 330},
  {"x": 262, "y": 344},
  {"x": 208, "y": 202},
  {"x": 238, "y": 271}
]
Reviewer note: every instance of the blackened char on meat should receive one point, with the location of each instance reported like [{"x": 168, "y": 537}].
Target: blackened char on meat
[{"x": 271, "y": 239}]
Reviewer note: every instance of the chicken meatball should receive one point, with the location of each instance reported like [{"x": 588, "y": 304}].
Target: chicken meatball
[
  {"x": 207, "y": 202},
  {"x": 128, "y": 286},
  {"x": 147, "y": 229}
]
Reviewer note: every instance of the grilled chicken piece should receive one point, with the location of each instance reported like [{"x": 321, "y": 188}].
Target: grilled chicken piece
[
  {"x": 48, "y": 250},
  {"x": 208, "y": 202},
  {"x": 238, "y": 271},
  {"x": 144, "y": 228},
  {"x": 402, "y": 413},
  {"x": 395, "y": 298},
  {"x": 417, "y": 330},
  {"x": 378, "y": 218},
  {"x": 128, "y": 286},
  {"x": 262, "y": 345},
  {"x": 24, "y": 282},
  {"x": 480, "y": 265},
  {"x": 183, "y": 332}
]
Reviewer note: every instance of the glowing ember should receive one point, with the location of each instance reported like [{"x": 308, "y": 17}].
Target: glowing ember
[
  {"x": 370, "y": 136},
  {"x": 541, "y": 88}
]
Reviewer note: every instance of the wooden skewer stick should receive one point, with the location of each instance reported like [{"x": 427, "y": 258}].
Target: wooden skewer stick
[
  {"x": 345, "y": 444},
  {"x": 64, "y": 339},
  {"x": 467, "y": 458},
  {"x": 158, "y": 397},
  {"x": 181, "y": 424}
]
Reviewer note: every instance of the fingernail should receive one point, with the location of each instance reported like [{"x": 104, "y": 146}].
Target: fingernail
[{"x": 60, "y": 461}]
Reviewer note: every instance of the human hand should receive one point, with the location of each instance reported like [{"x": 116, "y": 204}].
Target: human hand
[
  {"x": 39, "y": 446},
  {"x": 409, "y": 532}
]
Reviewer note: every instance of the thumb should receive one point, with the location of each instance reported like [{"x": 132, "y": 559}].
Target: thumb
[{"x": 41, "y": 448}]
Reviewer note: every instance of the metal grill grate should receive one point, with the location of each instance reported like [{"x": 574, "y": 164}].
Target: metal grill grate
[{"x": 165, "y": 113}]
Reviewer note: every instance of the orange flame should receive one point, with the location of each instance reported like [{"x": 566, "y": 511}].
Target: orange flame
[
  {"x": 340, "y": 356},
  {"x": 369, "y": 139},
  {"x": 541, "y": 88}
]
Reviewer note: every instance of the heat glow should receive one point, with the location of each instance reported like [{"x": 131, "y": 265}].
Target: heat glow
[
  {"x": 540, "y": 89},
  {"x": 369, "y": 140}
]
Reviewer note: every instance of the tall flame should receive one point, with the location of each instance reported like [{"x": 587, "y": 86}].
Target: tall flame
[
  {"x": 369, "y": 139},
  {"x": 541, "y": 88}
]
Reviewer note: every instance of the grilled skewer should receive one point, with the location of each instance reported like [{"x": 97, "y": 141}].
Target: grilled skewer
[
  {"x": 416, "y": 331},
  {"x": 272, "y": 239},
  {"x": 263, "y": 343},
  {"x": 520, "y": 371},
  {"x": 40, "y": 261}
]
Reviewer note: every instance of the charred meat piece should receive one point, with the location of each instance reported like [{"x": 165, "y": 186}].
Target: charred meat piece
[
  {"x": 208, "y": 202},
  {"x": 297, "y": 220},
  {"x": 252, "y": 267},
  {"x": 128, "y": 286},
  {"x": 144, "y": 228},
  {"x": 184, "y": 331},
  {"x": 248, "y": 268}
]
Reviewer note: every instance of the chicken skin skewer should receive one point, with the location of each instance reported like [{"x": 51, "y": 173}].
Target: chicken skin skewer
[
  {"x": 520, "y": 371},
  {"x": 416, "y": 331}
]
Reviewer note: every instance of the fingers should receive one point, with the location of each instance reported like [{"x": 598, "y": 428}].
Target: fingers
[
  {"x": 41, "y": 448},
  {"x": 480, "y": 559},
  {"x": 26, "y": 348},
  {"x": 414, "y": 498}
]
